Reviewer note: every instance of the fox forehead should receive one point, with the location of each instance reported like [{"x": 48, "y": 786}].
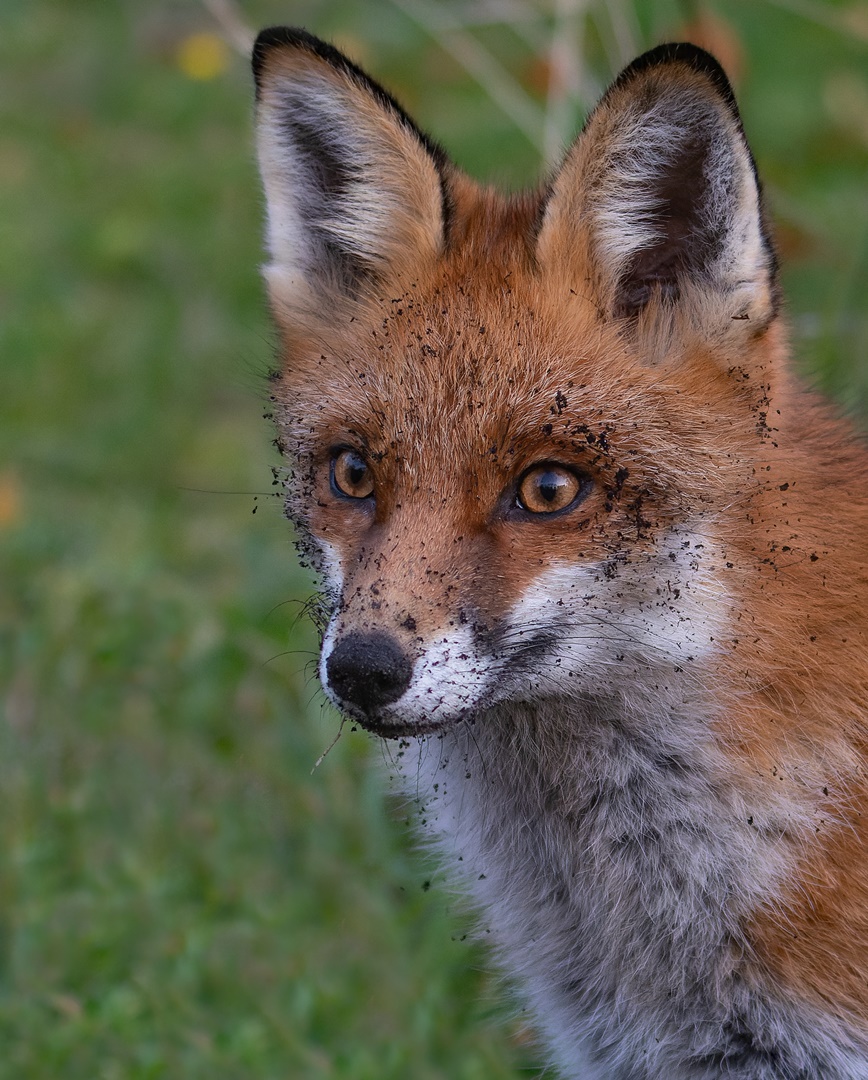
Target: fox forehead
[
  {"x": 491, "y": 371},
  {"x": 425, "y": 369}
]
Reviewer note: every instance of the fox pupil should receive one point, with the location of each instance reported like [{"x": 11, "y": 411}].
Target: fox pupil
[{"x": 550, "y": 485}]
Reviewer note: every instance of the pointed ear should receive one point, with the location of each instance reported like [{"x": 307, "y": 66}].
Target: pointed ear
[
  {"x": 355, "y": 192},
  {"x": 658, "y": 200}
]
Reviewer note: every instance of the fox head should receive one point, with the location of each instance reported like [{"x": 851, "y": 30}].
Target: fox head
[{"x": 513, "y": 423}]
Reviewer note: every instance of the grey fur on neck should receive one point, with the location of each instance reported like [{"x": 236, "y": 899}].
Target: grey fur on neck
[{"x": 615, "y": 868}]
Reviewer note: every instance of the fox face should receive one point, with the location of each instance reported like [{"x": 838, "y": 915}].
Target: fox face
[
  {"x": 500, "y": 529},
  {"x": 512, "y": 422}
]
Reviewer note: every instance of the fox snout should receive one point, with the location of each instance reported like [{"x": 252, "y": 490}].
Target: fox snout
[
  {"x": 395, "y": 686},
  {"x": 366, "y": 671}
]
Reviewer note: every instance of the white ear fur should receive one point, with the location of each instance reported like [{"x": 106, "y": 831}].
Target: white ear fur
[
  {"x": 659, "y": 193},
  {"x": 354, "y": 191}
]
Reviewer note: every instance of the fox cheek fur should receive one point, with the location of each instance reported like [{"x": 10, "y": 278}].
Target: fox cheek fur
[{"x": 572, "y": 515}]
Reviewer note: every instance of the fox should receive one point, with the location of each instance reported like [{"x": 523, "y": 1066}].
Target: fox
[{"x": 590, "y": 554}]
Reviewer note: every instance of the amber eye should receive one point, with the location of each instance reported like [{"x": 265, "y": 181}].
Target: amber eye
[
  {"x": 351, "y": 476},
  {"x": 545, "y": 489}
]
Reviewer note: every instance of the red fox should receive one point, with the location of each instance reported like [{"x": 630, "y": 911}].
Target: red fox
[{"x": 591, "y": 553}]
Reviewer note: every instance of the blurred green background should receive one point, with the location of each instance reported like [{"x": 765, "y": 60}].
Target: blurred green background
[{"x": 180, "y": 894}]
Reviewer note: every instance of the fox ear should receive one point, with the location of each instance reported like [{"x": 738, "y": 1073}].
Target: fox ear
[
  {"x": 354, "y": 190},
  {"x": 658, "y": 197}
]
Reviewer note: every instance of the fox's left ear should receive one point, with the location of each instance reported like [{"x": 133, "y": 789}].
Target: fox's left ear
[{"x": 658, "y": 201}]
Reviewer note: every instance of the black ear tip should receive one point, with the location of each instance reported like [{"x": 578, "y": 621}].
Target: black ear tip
[
  {"x": 681, "y": 52},
  {"x": 272, "y": 37},
  {"x": 293, "y": 37},
  {"x": 281, "y": 37}
]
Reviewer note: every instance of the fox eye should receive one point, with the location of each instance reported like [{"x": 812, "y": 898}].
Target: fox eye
[
  {"x": 545, "y": 489},
  {"x": 351, "y": 476}
]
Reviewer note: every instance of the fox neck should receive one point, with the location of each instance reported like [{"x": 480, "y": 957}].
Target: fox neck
[
  {"x": 596, "y": 796},
  {"x": 615, "y": 869}
]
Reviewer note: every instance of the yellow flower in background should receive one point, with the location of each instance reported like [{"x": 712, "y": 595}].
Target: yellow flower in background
[{"x": 203, "y": 56}]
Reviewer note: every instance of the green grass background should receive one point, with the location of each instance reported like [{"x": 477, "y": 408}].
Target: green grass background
[{"x": 180, "y": 895}]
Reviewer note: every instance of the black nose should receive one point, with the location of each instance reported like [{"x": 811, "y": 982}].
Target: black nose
[{"x": 368, "y": 670}]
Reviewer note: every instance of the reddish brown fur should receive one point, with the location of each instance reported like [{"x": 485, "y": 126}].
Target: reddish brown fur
[{"x": 805, "y": 651}]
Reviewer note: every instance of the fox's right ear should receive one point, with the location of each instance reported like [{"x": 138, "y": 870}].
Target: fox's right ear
[{"x": 355, "y": 192}]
